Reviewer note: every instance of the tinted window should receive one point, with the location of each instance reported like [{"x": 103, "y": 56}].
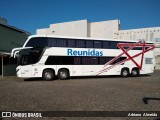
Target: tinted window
[
  {"x": 61, "y": 42},
  {"x": 137, "y": 48},
  {"x": 80, "y": 43},
  {"x": 89, "y": 44},
  {"x": 59, "y": 60},
  {"x": 77, "y": 60},
  {"x": 102, "y": 60},
  {"x": 106, "y": 44},
  {"x": 29, "y": 56},
  {"x": 72, "y": 60},
  {"x": 85, "y": 61},
  {"x": 97, "y": 44},
  {"x": 52, "y": 42},
  {"x": 113, "y": 44},
  {"x": 94, "y": 61},
  {"x": 71, "y": 43},
  {"x": 37, "y": 42},
  {"x": 109, "y": 59}
]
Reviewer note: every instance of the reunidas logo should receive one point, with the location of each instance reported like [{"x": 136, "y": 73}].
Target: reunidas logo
[{"x": 89, "y": 52}]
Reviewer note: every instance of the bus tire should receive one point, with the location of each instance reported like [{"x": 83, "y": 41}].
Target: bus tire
[
  {"x": 135, "y": 72},
  {"x": 48, "y": 74},
  {"x": 125, "y": 72},
  {"x": 63, "y": 74}
]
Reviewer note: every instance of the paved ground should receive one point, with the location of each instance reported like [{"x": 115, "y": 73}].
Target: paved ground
[{"x": 81, "y": 94}]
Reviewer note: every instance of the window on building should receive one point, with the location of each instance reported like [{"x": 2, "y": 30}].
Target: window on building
[{"x": 156, "y": 39}]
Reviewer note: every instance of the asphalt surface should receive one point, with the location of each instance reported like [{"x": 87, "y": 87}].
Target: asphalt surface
[{"x": 82, "y": 94}]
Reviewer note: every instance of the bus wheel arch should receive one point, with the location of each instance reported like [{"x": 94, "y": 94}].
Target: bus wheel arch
[
  {"x": 135, "y": 72},
  {"x": 125, "y": 72},
  {"x": 63, "y": 74},
  {"x": 48, "y": 74}
]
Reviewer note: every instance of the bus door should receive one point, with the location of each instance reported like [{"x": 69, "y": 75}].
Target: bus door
[{"x": 26, "y": 70}]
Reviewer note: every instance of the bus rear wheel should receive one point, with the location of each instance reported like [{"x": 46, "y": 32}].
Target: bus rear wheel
[
  {"x": 125, "y": 72},
  {"x": 135, "y": 72},
  {"x": 48, "y": 74},
  {"x": 63, "y": 74}
]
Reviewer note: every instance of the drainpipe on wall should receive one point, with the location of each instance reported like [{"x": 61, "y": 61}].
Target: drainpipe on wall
[{"x": 2, "y": 64}]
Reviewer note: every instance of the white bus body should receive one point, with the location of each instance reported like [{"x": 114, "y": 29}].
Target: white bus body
[{"x": 93, "y": 59}]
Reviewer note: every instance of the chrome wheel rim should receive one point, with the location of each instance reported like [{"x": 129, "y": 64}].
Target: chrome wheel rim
[
  {"x": 63, "y": 74},
  {"x": 48, "y": 75},
  {"x": 134, "y": 72},
  {"x": 125, "y": 73}
]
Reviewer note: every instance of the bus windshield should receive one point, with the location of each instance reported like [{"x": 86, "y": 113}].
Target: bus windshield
[
  {"x": 37, "y": 42},
  {"x": 29, "y": 56}
]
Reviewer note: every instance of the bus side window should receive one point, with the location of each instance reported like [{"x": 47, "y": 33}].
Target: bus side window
[
  {"x": 49, "y": 60},
  {"x": 61, "y": 42},
  {"x": 77, "y": 60},
  {"x": 52, "y": 42},
  {"x": 89, "y": 44},
  {"x": 85, "y": 61},
  {"x": 113, "y": 44},
  {"x": 97, "y": 44},
  {"x": 80, "y": 43},
  {"x": 71, "y": 43},
  {"x": 102, "y": 61},
  {"x": 94, "y": 61},
  {"x": 106, "y": 44}
]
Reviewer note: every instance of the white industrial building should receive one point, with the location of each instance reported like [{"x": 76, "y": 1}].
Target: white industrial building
[
  {"x": 83, "y": 28},
  {"x": 104, "y": 29}
]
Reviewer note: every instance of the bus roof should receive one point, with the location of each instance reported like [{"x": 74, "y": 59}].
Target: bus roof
[{"x": 86, "y": 38}]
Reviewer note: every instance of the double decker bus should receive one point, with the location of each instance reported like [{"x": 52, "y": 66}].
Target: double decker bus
[{"x": 63, "y": 57}]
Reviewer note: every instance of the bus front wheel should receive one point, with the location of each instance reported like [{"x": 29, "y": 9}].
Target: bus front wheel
[
  {"x": 48, "y": 74},
  {"x": 63, "y": 74}
]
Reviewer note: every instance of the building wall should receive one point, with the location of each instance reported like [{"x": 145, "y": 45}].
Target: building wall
[
  {"x": 83, "y": 28},
  {"x": 148, "y": 34},
  {"x": 157, "y": 62},
  {"x": 104, "y": 29},
  {"x": 42, "y": 31},
  {"x": 9, "y": 70},
  {"x": 74, "y": 28},
  {"x": 10, "y": 39}
]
